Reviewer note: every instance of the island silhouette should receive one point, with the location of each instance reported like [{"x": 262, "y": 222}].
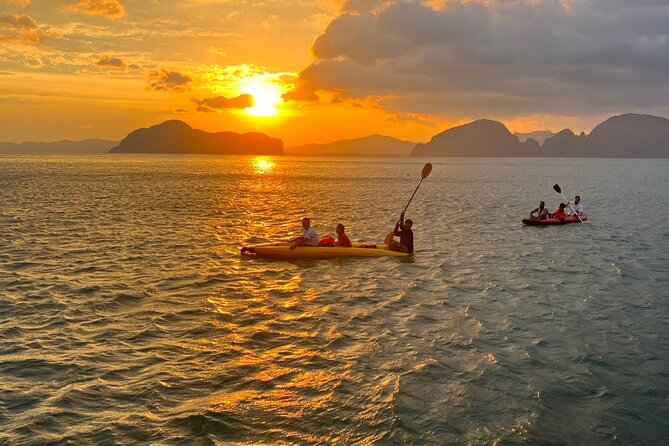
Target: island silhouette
[
  {"x": 178, "y": 137},
  {"x": 65, "y": 147},
  {"x": 373, "y": 145},
  {"x": 622, "y": 136}
]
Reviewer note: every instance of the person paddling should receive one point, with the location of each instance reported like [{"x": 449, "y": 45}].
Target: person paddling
[
  {"x": 575, "y": 207},
  {"x": 404, "y": 232},
  {"x": 342, "y": 238},
  {"x": 540, "y": 213},
  {"x": 309, "y": 238}
]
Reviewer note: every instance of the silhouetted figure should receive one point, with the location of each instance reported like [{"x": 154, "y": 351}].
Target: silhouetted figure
[
  {"x": 404, "y": 232},
  {"x": 342, "y": 238}
]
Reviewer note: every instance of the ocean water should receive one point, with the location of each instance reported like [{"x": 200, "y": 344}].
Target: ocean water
[{"x": 127, "y": 315}]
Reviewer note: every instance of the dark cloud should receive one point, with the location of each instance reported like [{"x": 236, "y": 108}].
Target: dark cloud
[
  {"x": 496, "y": 57},
  {"x": 303, "y": 91},
  {"x": 168, "y": 81},
  {"x": 221, "y": 102},
  {"x": 20, "y": 28},
  {"x": 112, "y": 9},
  {"x": 108, "y": 61}
]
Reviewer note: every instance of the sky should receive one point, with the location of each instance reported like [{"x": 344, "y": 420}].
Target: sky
[{"x": 322, "y": 70}]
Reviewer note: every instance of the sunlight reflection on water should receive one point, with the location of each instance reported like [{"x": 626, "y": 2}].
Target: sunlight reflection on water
[{"x": 128, "y": 316}]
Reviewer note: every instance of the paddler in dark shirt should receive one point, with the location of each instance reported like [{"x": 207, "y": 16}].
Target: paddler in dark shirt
[{"x": 404, "y": 232}]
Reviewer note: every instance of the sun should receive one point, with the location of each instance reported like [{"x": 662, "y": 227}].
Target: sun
[{"x": 266, "y": 98}]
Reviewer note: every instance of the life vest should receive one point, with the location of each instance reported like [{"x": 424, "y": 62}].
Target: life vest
[{"x": 327, "y": 241}]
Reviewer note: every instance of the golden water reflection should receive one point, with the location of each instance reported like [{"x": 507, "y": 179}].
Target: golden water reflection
[{"x": 263, "y": 165}]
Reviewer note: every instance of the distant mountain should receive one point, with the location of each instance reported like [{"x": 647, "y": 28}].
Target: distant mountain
[
  {"x": 479, "y": 138},
  {"x": 178, "y": 137},
  {"x": 566, "y": 144},
  {"x": 539, "y": 136},
  {"x": 623, "y": 136},
  {"x": 87, "y": 146},
  {"x": 374, "y": 145},
  {"x": 630, "y": 136}
]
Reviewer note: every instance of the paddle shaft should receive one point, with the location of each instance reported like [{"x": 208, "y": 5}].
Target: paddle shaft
[
  {"x": 412, "y": 195},
  {"x": 572, "y": 207},
  {"x": 426, "y": 172}
]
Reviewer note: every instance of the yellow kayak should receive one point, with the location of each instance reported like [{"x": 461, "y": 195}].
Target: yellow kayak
[{"x": 283, "y": 251}]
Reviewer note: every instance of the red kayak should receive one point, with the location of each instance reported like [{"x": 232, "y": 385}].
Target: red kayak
[{"x": 554, "y": 221}]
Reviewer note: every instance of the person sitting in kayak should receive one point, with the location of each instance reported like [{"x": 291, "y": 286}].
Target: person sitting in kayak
[
  {"x": 559, "y": 214},
  {"x": 577, "y": 205},
  {"x": 342, "y": 239},
  {"x": 309, "y": 238},
  {"x": 404, "y": 232},
  {"x": 541, "y": 212}
]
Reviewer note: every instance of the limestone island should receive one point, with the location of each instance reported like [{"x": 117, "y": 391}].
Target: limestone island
[{"x": 178, "y": 137}]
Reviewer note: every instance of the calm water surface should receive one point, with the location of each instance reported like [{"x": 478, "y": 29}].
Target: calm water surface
[{"x": 127, "y": 315}]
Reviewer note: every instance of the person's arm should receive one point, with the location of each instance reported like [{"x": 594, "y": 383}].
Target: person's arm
[
  {"x": 299, "y": 241},
  {"x": 399, "y": 226},
  {"x": 533, "y": 211},
  {"x": 402, "y": 221}
]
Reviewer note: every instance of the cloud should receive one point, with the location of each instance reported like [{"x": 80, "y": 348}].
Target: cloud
[
  {"x": 495, "y": 57},
  {"x": 19, "y": 3},
  {"x": 168, "y": 81},
  {"x": 108, "y": 61},
  {"x": 112, "y": 9},
  {"x": 20, "y": 29},
  {"x": 221, "y": 102},
  {"x": 303, "y": 91}
]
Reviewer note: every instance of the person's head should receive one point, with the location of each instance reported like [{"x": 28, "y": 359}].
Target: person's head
[
  {"x": 306, "y": 223},
  {"x": 577, "y": 199},
  {"x": 562, "y": 205},
  {"x": 541, "y": 205},
  {"x": 340, "y": 229},
  {"x": 408, "y": 223}
]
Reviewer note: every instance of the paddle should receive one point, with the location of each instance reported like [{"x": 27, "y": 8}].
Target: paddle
[
  {"x": 424, "y": 174},
  {"x": 559, "y": 191}
]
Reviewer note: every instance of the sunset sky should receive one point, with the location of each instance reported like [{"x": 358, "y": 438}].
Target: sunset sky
[{"x": 320, "y": 70}]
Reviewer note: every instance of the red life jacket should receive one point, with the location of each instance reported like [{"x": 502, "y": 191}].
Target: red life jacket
[{"x": 327, "y": 241}]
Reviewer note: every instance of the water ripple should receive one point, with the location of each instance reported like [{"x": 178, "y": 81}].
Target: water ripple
[{"x": 127, "y": 315}]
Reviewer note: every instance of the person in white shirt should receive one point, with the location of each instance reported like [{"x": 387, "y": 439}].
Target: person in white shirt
[
  {"x": 577, "y": 207},
  {"x": 540, "y": 213},
  {"x": 309, "y": 238}
]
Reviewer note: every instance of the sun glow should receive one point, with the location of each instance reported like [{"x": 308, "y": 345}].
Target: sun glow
[{"x": 266, "y": 98}]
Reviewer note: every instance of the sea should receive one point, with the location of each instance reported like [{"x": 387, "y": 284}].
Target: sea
[{"x": 129, "y": 317}]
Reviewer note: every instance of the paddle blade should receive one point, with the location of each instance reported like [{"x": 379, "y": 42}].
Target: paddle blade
[
  {"x": 426, "y": 170},
  {"x": 557, "y": 189}
]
